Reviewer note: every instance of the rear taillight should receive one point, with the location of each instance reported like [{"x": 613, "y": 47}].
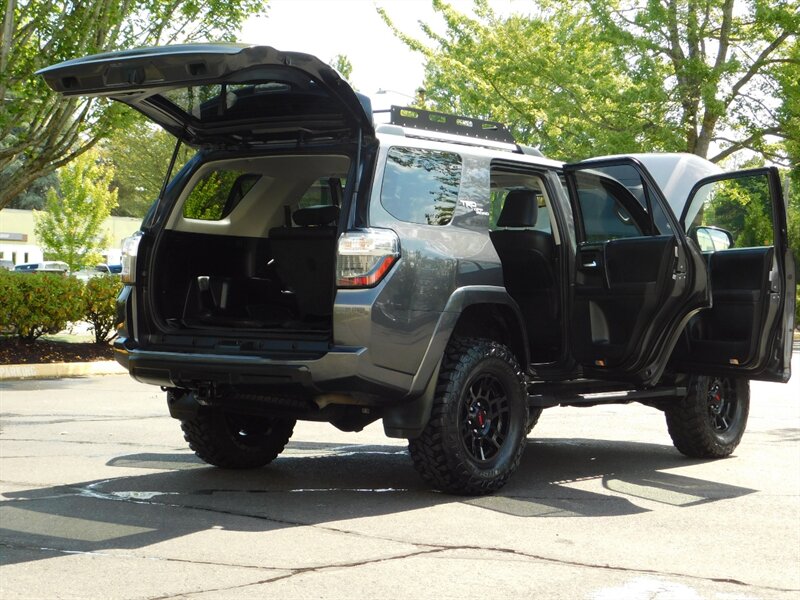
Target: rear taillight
[
  {"x": 130, "y": 247},
  {"x": 364, "y": 257}
]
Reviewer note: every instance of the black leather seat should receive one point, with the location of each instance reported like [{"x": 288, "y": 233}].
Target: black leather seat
[
  {"x": 529, "y": 264},
  {"x": 305, "y": 258},
  {"x": 528, "y": 255}
]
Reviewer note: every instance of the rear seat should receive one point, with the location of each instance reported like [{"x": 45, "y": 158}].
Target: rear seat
[{"x": 305, "y": 258}]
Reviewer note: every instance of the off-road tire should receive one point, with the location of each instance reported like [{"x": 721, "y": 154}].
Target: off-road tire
[
  {"x": 710, "y": 420},
  {"x": 235, "y": 441},
  {"x": 533, "y": 419},
  {"x": 475, "y": 437}
]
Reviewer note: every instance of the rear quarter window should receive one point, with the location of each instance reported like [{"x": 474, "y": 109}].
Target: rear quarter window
[
  {"x": 217, "y": 193},
  {"x": 421, "y": 186}
]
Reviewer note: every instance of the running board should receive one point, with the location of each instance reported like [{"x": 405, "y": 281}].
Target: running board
[{"x": 589, "y": 398}]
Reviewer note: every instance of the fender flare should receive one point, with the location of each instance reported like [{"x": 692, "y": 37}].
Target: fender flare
[{"x": 408, "y": 419}]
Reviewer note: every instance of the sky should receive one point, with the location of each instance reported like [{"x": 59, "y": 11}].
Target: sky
[{"x": 326, "y": 28}]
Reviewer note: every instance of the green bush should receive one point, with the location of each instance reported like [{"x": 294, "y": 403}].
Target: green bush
[
  {"x": 100, "y": 296},
  {"x": 37, "y": 303}
]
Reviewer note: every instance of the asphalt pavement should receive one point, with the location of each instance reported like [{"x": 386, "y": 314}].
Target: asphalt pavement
[{"x": 101, "y": 498}]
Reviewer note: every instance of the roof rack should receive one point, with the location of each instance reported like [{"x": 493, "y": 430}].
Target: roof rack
[{"x": 418, "y": 118}]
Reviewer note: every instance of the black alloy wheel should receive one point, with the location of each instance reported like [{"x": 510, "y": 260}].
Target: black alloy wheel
[
  {"x": 710, "y": 420},
  {"x": 722, "y": 404},
  {"x": 485, "y": 417},
  {"x": 475, "y": 437}
]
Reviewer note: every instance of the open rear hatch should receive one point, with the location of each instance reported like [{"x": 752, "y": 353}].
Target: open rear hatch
[
  {"x": 245, "y": 244},
  {"x": 222, "y": 94}
]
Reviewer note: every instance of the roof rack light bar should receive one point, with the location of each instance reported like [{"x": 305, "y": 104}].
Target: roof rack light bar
[{"x": 418, "y": 118}]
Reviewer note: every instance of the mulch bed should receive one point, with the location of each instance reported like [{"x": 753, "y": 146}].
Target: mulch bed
[{"x": 14, "y": 352}]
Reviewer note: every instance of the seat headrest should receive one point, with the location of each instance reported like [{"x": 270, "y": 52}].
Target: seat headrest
[
  {"x": 316, "y": 215},
  {"x": 521, "y": 209}
]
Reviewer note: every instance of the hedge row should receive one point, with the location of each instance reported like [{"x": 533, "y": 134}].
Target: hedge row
[{"x": 34, "y": 304}]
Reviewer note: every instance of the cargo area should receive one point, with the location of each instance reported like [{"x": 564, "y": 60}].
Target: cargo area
[{"x": 250, "y": 245}]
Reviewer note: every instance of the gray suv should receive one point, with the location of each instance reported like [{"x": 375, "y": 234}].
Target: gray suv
[{"x": 428, "y": 271}]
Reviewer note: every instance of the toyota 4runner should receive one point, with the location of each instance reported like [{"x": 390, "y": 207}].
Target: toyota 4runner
[{"x": 430, "y": 272}]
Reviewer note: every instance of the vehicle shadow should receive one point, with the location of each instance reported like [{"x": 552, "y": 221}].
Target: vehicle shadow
[{"x": 319, "y": 483}]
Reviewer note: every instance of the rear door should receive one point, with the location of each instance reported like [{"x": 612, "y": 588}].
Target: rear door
[
  {"x": 223, "y": 94},
  {"x": 636, "y": 281},
  {"x": 739, "y": 221}
]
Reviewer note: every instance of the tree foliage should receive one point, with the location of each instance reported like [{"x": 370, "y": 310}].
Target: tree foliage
[
  {"x": 608, "y": 76},
  {"x": 341, "y": 63},
  {"x": 35, "y": 195},
  {"x": 70, "y": 227},
  {"x": 140, "y": 153},
  {"x": 40, "y": 131}
]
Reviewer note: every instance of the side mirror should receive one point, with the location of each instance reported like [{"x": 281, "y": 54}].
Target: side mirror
[{"x": 711, "y": 239}]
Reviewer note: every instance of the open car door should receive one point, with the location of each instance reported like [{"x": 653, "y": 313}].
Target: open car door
[
  {"x": 738, "y": 220},
  {"x": 637, "y": 280}
]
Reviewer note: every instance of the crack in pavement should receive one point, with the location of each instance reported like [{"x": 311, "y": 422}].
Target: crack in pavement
[
  {"x": 91, "y": 492},
  {"x": 292, "y": 572},
  {"x": 303, "y": 571}
]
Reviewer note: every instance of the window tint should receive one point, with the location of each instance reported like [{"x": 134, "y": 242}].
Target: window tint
[
  {"x": 630, "y": 179},
  {"x": 606, "y": 215},
  {"x": 421, "y": 186},
  {"x": 326, "y": 191},
  {"x": 474, "y": 204},
  {"x": 226, "y": 102},
  {"x": 217, "y": 194}
]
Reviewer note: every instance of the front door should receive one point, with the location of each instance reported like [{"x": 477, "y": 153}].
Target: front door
[
  {"x": 739, "y": 222},
  {"x": 636, "y": 281}
]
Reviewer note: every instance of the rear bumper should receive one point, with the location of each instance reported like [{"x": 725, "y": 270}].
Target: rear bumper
[{"x": 342, "y": 370}]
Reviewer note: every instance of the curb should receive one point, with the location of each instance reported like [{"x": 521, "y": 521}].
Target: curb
[{"x": 58, "y": 370}]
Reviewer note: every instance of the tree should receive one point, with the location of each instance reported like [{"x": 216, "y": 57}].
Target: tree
[
  {"x": 70, "y": 228},
  {"x": 41, "y": 131},
  {"x": 35, "y": 195},
  {"x": 721, "y": 59},
  {"x": 140, "y": 153},
  {"x": 341, "y": 63},
  {"x": 607, "y": 76}
]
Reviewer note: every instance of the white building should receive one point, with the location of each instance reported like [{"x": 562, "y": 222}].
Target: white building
[{"x": 18, "y": 241}]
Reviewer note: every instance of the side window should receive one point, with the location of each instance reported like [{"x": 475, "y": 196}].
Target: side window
[
  {"x": 542, "y": 214},
  {"x": 528, "y": 185},
  {"x": 735, "y": 212},
  {"x": 630, "y": 186},
  {"x": 608, "y": 210},
  {"x": 421, "y": 186},
  {"x": 326, "y": 191},
  {"x": 217, "y": 194}
]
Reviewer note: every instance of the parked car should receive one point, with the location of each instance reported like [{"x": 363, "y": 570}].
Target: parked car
[
  {"x": 104, "y": 268},
  {"x": 49, "y": 266},
  {"x": 429, "y": 272},
  {"x": 8, "y": 265}
]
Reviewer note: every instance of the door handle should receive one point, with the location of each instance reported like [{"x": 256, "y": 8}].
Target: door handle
[{"x": 592, "y": 264}]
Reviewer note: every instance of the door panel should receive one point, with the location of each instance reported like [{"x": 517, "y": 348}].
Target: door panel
[
  {"x": 619, "y": 285},
  {"x": 748, "y": 329},
  {"x": 635, "y": 282}
]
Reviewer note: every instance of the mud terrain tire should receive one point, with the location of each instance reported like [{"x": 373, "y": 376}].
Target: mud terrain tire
[
  {"x": 710, "y": 420},
  {"x": 235, "y": 441},
  {"x": 475, "y": 437}
]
